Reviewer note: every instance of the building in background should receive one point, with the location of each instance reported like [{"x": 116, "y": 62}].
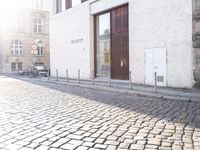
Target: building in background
[
  {"x": 19, "y": 30},
  {"x": 142, "y": 37}
]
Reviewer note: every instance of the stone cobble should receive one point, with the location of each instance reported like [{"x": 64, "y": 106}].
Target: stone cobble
[{"x": 48, "y": 116}]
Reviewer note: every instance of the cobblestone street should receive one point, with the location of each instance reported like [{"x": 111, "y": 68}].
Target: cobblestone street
[{"x": 41, "y": 116}]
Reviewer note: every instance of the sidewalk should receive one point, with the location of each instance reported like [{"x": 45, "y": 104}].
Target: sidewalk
[{"x": 137, "y": 90}]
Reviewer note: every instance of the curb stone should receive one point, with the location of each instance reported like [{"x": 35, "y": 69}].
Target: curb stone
[{"x": 122, "y": 91}]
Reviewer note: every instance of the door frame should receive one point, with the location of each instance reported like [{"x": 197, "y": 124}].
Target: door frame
[{"x": 95, "y": 36}]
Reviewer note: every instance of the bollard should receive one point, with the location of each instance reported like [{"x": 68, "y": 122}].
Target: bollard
[
  {"x": 48, "y": 74},
  {"x": 109, "y": 84},
  {"x": 79, "y": 76},
  {"x": 155, "y": 86},
  {"x": 67, "y": 75},
  {"x": 25, "y": 73},
  {"x": 130, "y": 81},
  {"x": 29, "y": 73},
  {"x": 56, "y": 74},
  {"x": 39, "y": 75},
  {"x": 92, "y": 77}
]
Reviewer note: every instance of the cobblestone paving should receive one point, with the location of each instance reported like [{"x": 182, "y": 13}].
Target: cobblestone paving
[{"x": 41, "y": 116}]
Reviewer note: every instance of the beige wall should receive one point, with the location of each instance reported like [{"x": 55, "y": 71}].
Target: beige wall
[{"x": 24, "y": 33}]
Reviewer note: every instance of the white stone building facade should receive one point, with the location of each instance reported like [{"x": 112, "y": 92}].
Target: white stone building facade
[{"x": 159, "y": 35}]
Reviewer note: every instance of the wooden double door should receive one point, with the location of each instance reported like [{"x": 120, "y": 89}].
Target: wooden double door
[{"x": 118, "y": 42}]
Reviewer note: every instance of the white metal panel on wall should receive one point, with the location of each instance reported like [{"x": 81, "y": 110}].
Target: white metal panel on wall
[
  {"x": 160, "y": 65},
  {"x": 149, "y": 67},
  {"x": 155, "y": 62}
]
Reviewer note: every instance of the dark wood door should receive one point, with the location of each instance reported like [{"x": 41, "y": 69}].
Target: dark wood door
[{"x": 119, "y": 43}]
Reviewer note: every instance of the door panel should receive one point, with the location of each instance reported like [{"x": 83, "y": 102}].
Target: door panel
[
  {"x": 149, "y": 67},
  {"x": 155, "y": 61},
  {"x": 160, "y": 65},
  {"x": 119, "y": 43}
]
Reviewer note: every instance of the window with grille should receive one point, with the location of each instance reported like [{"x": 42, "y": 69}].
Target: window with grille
[
  {"x": 37, "y": 25},
  {"x": 13, "y": 66},
  {"x": 19, "y": 65},
  {"x": 197, "y": 4},
  {"x": 40, "y": 49},
  {"x": 16, "y": 66},
  {"x": 16, "y": 47},
  {"x": 58, "y": 6},
  {"x": 70, "y": 3}
]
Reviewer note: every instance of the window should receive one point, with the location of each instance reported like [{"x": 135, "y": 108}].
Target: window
[
  {"x": 68, "y": 4},
  {"x": 197, "y": 26},
  {"x": 19, "y": 65},
  {"x": 103, "y": 45},
  {"x": 197, "y": 4},
  {"x": 58, "y": 6},
  {"x": 39, "y": 64},
  {"x": 13, "y": 66},
  {"x": 16, "y": 66},
  {"x": 16, "y": 47},
  {"x": 37, "y": 25},
  {"x": 40, "y": 49},
  {"x": 83, "y": 1}
]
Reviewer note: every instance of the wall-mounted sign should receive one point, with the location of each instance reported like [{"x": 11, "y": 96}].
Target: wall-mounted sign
[
  {"x": 34, "y": 47},
  {"x": 76, "y": 41},
  {"x": 34, "y": 51}
]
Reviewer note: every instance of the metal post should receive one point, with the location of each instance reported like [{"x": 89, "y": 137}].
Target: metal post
[
  {"x": 155, "y": 86},
  {"x": 29, "y": 73},
  {"x": 25, "y": 73},
  {"x": 39, "y": 75},
  {"x": 33, "y": 60},
  {"x": 130, "y": 81},
  {"x": 56, "y": 74},
  {"x": 109, "y": 84},
  {"x": 92, "y": 77},
  {"x": 67, "y": 75},
  {"x": 78, "y": 76},
  {"x": 48, "y": 74}
]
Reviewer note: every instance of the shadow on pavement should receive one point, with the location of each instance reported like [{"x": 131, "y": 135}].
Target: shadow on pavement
[{"x": 180, "y": 112}]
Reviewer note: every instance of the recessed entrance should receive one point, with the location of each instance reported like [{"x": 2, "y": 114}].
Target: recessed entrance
[{"x": 111, "y": 44}]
